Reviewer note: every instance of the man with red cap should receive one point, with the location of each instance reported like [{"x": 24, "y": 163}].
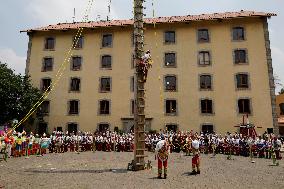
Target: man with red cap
[
  {"x": 195, "y": 159},
  {"x": 162, "y": 153}
]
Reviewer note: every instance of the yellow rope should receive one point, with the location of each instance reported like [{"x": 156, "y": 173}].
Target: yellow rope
[
  {"x": 60, "y": 70},
  {"x": 159, "y": 66}
]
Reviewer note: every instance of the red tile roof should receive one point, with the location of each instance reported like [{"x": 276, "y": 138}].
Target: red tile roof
[{"x": 188, "y": 18}]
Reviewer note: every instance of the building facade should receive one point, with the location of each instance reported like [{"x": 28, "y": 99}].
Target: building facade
[
  {"x": 280, "y": 112},
  {"x": 209, "y": 71}
]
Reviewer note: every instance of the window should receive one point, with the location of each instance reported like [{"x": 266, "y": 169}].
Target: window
[
  {"x": 42, "y": 128},
  {"x": 238, "y": 33},
  {"x": 172, "y": 127},
  {"x": 78, "y": 42},
  {"x": 207, "y": 129},
  {"x": 242, "y": 81},
  {"x": 170, "y": 83},
  {"x": 45, "y": 83},
  {"x": 132, "y": 107},
  {"x": 170, "y": 59},
  {"x": 281, "y": 106},
  {"x": 204, "y": 58},
  {"x": 133, "y": 39},
  {"x": 73, "y": 107},
  {"x": 132, "y": 84},
  {"x": 244, "y": 106},
  {"x": 75, "y": 84},
  {"x": 47, "y": 64},
  {"x": 106, "y": 61},
  {"x": 133, "y": 61},
  {"x": 205, "y": 82},
  {"x": 170, "y": 37},
  {"x": 269, "y": 130},
  {"x": 45, "y": 107},
  {"x": 59, "y": 129},
  {"x": 105, "y": 84},
  {"x": 72, "y": 128},
  {"x": 171, "y": 107},
  {"x": 206, "y": 106},
  {"x": 104, "y": 107},
  {"x": 240, "y": 56},
  {"x": 49, "y": 43},
  {"x": 203, "y": 35},
  {"x": 103, "y": 127},
  {"x": 76, "y": 63},
  {"x": 107, "y": 40}
]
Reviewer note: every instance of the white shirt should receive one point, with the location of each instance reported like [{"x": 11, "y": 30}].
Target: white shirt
[
  {"x": 159, "y": 145},
  {"x": 195, "y": 144}
]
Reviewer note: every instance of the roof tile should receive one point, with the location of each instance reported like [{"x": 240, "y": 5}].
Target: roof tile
[{"x": 225, "y": 15}]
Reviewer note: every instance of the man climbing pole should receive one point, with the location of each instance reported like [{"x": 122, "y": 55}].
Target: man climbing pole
[{"x": 146, "y": 63}]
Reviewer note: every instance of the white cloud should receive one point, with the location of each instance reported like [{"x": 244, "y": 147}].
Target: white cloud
[
  {"x": 55, "y": 11},
  {"x": 14, "y": 61},
  {"x": 278, "y": 63}
]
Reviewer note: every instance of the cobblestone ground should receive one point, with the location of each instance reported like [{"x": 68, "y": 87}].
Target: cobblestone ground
[{"x": 108, "y": 170}]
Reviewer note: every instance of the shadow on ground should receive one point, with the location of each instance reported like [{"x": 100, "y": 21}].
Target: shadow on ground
[{"x": 78, "y": 171}]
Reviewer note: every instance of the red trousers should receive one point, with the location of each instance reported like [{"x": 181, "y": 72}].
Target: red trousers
[
  {"x": 160, "y": 166},
  {"x": 195, "y": 160}
]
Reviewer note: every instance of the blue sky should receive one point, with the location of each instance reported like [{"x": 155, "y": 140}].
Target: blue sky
[{"x": 16, "y": 15}]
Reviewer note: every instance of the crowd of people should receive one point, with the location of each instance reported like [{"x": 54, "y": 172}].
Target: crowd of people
[{"x": 18, "y": 144}]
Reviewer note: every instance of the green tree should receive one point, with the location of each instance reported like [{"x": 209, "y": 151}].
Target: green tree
[
  {"x": 17, "y": 95},
  {"x": 281, "y": 91}
]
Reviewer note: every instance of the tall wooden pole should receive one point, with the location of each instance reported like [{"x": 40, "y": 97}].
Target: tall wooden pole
[{"x": 139, "y": 115}]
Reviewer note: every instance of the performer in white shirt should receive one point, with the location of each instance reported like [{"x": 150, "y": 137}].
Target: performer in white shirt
[
  {"x": 162, "y": 153},
  {"x": 195, "y": 159}
]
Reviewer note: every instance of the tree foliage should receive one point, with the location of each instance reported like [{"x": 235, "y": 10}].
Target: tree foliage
[
  {"x": 17, "y": 95},
  {"x": 281, "y": 91}
]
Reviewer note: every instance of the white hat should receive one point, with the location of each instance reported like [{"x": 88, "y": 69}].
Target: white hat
[{"x": 44, "y": 135}]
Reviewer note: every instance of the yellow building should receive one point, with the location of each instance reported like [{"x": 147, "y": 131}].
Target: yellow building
[
  {"x": 280, "y": 112},
  {"x": 209, "y": 70}
]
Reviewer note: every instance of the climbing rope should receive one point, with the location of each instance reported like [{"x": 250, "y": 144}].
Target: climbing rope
[
  {"x": 160, "y": 80},
  {"x": 61, "y": 69}
]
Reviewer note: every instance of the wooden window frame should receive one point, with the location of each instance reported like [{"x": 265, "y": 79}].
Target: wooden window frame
[
  {"x": 199, "y": 39},
  {"x": 204, "y": 62},
  {"x": 44, "y": 68},
  {"x": 101, "y": 112},
  {"x": 43, "y": 88},
  {"x": 176, "y": 109},
  {"x": 211, "y": 82},
  {"x": 75, "y": 113},
  {"x": 108, "y": 45},
  {"x": 206, "y": 112},
  {"x": 165, "y": 83},
  {"x": 175, "y": 60},
  {"x": 242, "y": 86},
  {"x": 102, "y": 61},
  {"x": 101, "y": 86},
  {"x": 250, "y": 107},
  {"x": 165, "y": 37},
  {"x": 243, "y": 31},
  {"x": 72, "y": 63},
  {"x": 239, "y": 62},
  {"x": 70, "y": 87},
  {"x": 77, "y": 46},
  {"x": 46, "y": 43}
]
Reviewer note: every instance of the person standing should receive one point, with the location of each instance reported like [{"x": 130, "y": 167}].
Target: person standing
[
  {"x": 195, "y": 159},
  {"x": 162, "y": 154}
]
